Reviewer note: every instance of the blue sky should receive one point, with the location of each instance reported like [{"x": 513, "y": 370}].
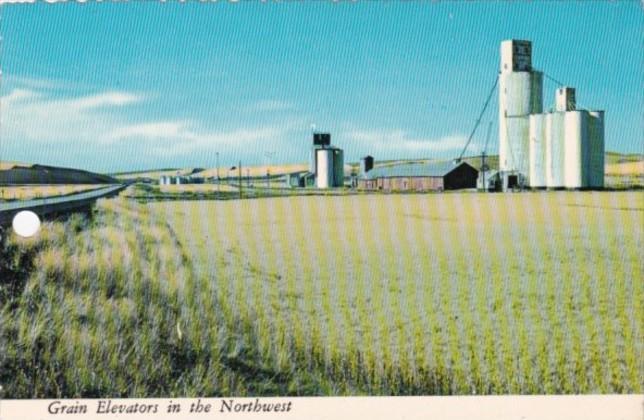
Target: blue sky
[{"x": 113, "y": 87}]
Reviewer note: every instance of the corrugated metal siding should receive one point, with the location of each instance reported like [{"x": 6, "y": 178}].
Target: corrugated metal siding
[
  {"x": 576, "y": 132},
  {"x": 432, "y": 169},
  {"x": 403, "y": 184},
  {"x": 520, "y": 94},
  {"x": 409, "y": 177},
  {"x": 555, "y": 140},
  {"x": 537, "y": 151},
  {"x": 596, "y": 150}
]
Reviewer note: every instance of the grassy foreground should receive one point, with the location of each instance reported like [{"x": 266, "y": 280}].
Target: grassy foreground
[
  {"x": 378, "y": 294},
  {"x": 28, "y": 192}
]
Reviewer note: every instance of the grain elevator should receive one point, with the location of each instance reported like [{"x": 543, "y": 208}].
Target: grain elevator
[
  {"x": 326, "y": 162},
  {"x": 562, "y": 148}
]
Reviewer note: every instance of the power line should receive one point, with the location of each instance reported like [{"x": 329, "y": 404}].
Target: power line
[
  {"x": 487, "y": 138},
  {"x": 552, "y": 78},
  {"x": 478, "y": 121}
]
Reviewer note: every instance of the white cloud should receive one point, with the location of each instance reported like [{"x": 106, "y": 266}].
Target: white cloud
[
  {"x": 104, "y": 99},
  {"x": 400, "y": 140},
  {"x": 18, "y": 95},
  {"x": 29, "y": 114},
  {"x": 92, "y": 122},
  {"x": 151, "y": 130},
  {"x": 188, "y": 140},
  {"x": 96, "y": 123}
]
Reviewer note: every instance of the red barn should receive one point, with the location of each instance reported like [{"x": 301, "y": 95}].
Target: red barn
[{"x": 433, "y": 176}]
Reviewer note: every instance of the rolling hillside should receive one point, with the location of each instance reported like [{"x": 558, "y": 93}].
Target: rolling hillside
[
  {"x": 617, "y": 164},
  {"x": 12, "y": 173}
]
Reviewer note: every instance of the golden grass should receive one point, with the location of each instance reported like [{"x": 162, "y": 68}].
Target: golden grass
[
  {"x": 255, "y": 171},
  {"x": 626, "y": 168},
  {"x": 155, "y": 174},
  {"x": 464, "y": 293},
  {"x": 198, "y": 188},
  {"x": 5, "y": 165},
  {"x": 453, "y": 293},
  {"x": 28, "y": 192}
]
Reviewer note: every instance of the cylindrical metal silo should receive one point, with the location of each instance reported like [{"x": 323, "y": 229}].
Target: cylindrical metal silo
[
  {"x": 575, "y": 149},
  {"x": 537, "y": 175},
  {"x": 520, "y": 94},
  {"x": 555, "y": 139},
  {"x": 313, "y": 160},
  {"x": 338, "y": 168},
  {"x": 324, "y": 169},
  {"x": 596, "y": 149}
]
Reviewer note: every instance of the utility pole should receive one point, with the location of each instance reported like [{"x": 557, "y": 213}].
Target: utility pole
[
  {"x": 268, "y": 156},
  {"x": 247, "y": 178},
  {"x": 240, "y": 180},
  {"x": 218, "y": 179},
  {"x": 484, "y": 167},
  {"x": 483, "y": 170}
]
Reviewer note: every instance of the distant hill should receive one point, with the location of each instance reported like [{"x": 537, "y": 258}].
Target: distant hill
[
  {"x": 20, "y": 173},
  {"x": 616, "y": 163},
  {"x": 614, "y": 157},
  {"x": 626, "y": 168},
  {"x": 475, "y": 161},
  {"x": 154, "y": 174},
  {"x": 8, "y": 165}
]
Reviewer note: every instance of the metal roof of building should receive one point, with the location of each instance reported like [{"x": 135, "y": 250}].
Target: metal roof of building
[{"x": 436, "y": 169}]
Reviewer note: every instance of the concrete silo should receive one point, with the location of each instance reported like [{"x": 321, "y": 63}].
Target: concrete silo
[
  {"x": 555, "y": 150},
  {"x": 537, "y": 150},
  {"x": 574, "y": 144},
  {"x": 326, "y": 162},
  {"x": 324, "y": 168},
  {"x": 575, "y": 150},
  {"x": 563, "y": 148},
  {"x": 338, "y": 167},
  {"x": 596, "y": 149},
  {"x": 520, "y": 94}
]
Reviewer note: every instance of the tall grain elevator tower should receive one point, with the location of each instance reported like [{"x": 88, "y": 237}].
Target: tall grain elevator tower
[
  {"x": 326, "y": 162},
  {"x": 520, "y": 95},
  {"x": 562, "y": 148}
]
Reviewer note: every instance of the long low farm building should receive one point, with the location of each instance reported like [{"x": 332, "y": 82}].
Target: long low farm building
[{"x": 433, "y": 176}]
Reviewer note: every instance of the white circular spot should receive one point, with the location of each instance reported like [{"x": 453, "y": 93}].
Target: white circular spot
[{"x": 26, "y": 223}]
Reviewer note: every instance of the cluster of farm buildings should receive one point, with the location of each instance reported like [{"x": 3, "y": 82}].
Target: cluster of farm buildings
[{"x": 560, "y": 148}]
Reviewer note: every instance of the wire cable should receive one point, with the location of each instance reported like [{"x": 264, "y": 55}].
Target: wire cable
[
  {"x": 552, "y": 78},
  {"x": 478, "y": 121}
]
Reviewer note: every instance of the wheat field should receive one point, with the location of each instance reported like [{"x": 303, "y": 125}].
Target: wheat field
[
  {"x": 526, "y": 293},
  {"x": 454, "y": 293},
  {"x": 626, "y": 168},
  {"x": 28, "y": 192}
]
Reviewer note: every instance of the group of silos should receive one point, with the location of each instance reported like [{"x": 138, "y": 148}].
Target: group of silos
[
  {"x": 179, "y": 179},
  {"x": 171, "y": 180},
  {"x": 562, "y": 148},
  {"x": 326, "y": 162}
]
